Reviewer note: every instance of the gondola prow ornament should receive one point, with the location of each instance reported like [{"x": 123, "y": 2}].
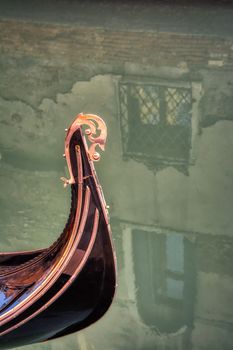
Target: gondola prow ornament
[{"x": 48, "y": 293}]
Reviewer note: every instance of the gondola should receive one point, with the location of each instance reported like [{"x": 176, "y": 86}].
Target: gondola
[{"x": 52, "y": 292}]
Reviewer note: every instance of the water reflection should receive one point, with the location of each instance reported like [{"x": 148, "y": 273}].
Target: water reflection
[
  {"x": 163, "y": 279},
  {"x": 166, "y": 173}
]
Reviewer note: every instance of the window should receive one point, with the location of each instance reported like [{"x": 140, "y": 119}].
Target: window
[
  {"x": 164, "y": 278},
  {"x": 156, "y": 122}
]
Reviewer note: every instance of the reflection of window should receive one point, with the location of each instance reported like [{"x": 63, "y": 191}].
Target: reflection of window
[
  {"x": 164, "y": 277},
  {"x": 156, "y": 122},
  {"x": 174, "y": 266}
]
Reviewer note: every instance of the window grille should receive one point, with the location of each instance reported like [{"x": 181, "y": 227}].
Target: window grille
[{"x": 156, "y": 123}]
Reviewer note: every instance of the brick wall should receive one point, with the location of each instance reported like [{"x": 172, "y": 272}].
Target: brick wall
[{"x": 76, "y": 44}]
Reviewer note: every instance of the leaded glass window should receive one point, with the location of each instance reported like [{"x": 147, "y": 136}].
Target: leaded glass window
[{"x": 156, "y": 122}]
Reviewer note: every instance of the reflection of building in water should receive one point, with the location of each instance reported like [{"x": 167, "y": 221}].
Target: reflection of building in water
[
  {"x": 165, "y": 278},
  {"x": 163, "y": 271},
  {"x": 181, "y": 283},
  {"x": 167, "y": 100}
]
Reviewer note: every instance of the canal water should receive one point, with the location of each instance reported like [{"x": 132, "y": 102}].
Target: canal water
[{"x": 161, "y": 76}]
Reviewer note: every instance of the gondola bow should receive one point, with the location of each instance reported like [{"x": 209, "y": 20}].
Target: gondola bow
[{"x": 48, "y": 293}]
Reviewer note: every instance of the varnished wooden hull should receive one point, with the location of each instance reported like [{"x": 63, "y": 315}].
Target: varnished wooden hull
[{"x": 62, "y": 289}]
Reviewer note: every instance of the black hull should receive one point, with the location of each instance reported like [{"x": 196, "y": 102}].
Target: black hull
[{"x": 82, "y": 304}]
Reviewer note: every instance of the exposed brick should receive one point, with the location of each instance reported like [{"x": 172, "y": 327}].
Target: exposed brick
[{"x": 98, "y": 45}]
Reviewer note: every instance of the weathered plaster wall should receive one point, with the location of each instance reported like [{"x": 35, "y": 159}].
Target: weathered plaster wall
[
  {"x": 199, "y": 202},
  {"x": 40, "y": 66}
]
